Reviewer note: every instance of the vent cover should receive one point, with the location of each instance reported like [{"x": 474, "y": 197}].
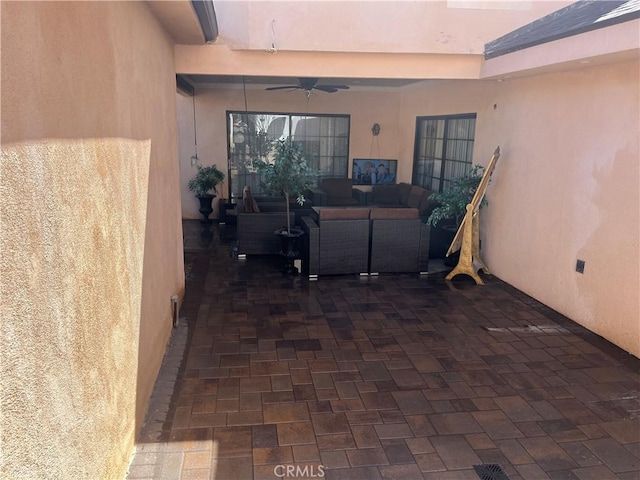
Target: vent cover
[{"x": 490, "y": 471}]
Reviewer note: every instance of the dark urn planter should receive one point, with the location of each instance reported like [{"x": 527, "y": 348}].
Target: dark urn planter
[
  {"x": 290, "y": 248},
  {"x": 440, "y": 240},
  {"x": 205, "y": 208}
]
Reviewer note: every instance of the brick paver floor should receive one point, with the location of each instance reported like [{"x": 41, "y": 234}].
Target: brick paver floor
[{"x": 397, "y": 376}]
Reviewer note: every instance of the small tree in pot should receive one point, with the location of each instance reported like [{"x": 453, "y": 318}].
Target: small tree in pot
[
  {"x": 287, "y": 173},
  {"x": 204, "y": 185}
]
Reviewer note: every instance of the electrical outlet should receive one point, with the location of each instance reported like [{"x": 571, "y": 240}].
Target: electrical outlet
[{"x": 580, "y": 266}]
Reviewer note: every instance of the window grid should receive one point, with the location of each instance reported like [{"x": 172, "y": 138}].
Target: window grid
[
  {"x": 443, "y": 150},
  {"x": 252, "y": 135}
]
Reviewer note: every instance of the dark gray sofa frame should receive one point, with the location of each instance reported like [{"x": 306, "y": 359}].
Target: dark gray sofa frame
[
  {"x": 256, "y": 232},
  {"x": 335, "y": 247},
  {"x": 371, "y": 246},
  {"x": 399, "y": 246}
]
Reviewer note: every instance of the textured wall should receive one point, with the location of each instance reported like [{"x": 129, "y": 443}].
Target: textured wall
[
  {"x": 91, "y": 235},
  {"x": 381, "y": 26},
  {"x": 72, "y": 267},
  {"x": 568, "y": 190},
  {"x": 565, "y": 188}
]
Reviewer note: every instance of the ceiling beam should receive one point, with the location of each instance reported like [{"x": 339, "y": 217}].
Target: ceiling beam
[{"x": 220, "y": 60}]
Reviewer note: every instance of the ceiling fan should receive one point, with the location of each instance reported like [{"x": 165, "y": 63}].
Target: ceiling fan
[{"x": 310, "y": 84}]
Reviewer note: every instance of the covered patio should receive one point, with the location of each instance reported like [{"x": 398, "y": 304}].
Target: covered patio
[
  {"x": 399, "y": 376},
  {"x": 367, "y": 377}
]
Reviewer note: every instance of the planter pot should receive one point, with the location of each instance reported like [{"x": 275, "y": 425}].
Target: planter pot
[
  {"x": 290, "y": 248},
  {"x": 205, "y": 208},
  {"x": 440, "y": 240},
  {"x": 452, "y": 260}
]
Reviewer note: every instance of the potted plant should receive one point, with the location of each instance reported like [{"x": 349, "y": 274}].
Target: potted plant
[
  {"x": 203, "y": 185},
  {"x": 287, "y": 173},
  {"x": 451, "y": 210}
]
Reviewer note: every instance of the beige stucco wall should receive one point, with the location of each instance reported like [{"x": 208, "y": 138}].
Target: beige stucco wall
[
  {"x": 565, "y": 188},
  {"x": 91, "y": 236},
  {"x": 404, "y": 26}
]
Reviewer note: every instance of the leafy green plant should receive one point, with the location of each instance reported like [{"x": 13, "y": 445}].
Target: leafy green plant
[
  {"x": 206, "y": 179},
  {"x": 454, "y": 200},
  {"x": 287, "y": 173}
]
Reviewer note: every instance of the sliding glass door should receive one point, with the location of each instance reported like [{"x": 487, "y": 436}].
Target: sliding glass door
[{"x": 443, "y": 150}]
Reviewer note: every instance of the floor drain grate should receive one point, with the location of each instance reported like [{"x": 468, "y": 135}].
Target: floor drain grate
[{"x": 490, "y": 471}]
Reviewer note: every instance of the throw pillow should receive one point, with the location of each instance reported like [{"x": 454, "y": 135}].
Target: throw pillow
[{"x": 249, "y": 203}]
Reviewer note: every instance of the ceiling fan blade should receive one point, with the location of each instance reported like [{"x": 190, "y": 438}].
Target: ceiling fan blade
[
  {"x": 290, "y": 87},
  {"x": 325, "y": 88},
  {"x": 339, "y": 87}
]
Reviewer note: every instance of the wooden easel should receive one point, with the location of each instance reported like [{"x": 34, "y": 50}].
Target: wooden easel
[{"x": 467, "y": 238}]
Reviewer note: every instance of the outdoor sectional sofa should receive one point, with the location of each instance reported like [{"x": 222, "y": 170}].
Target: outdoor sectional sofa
[
  {"x": 255, "y": 229},
  {"x": 255, "y": 232},
  {"x": 364, "y": 241}
]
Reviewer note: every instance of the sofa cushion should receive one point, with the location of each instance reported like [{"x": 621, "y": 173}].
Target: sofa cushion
[
  {"x": 341, "y": 201},
  {"x": 416, "y": 196},
  {"x": 337, "y": 187},
  {"x": 385, "y": 195},
  {"x": 272, "y": 206},
  {"x": 393, "y": 213},
  {"x": 343, "y": 214},
  {"x": 405, "y": 191}
]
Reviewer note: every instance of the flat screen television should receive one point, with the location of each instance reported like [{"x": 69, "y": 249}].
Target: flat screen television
[{"x": 374, "y": 171}]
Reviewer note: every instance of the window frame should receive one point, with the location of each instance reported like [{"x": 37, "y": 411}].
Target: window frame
[
  {"x": 290, "y": 116},
  {"x": 419, "y": 179}
]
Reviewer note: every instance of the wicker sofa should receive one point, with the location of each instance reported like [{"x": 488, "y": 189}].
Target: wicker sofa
[
  {"x": 334, "y": 192},
  {"x": 255, "y": 232},
  {"x": 365, "y": 241},
  {"x": 399, "y": 241},
  {"x": 257, "y": 220},
  {"x": 336, "y": 242}
]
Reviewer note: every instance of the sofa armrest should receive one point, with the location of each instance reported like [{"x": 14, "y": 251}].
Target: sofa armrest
[
  {"x": 317, "y": 196},
  {"x": 310, "y": 247},
  {"x": 255, "y": 232},
  {"x": 399, "y": 245}
]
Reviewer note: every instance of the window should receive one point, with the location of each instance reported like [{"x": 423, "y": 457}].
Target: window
[
  {"x": 443, "y": 150},
  {"x": 252, "y": 135}
]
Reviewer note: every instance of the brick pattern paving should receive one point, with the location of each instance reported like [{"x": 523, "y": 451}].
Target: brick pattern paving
[{"x": 396, "y": 376}]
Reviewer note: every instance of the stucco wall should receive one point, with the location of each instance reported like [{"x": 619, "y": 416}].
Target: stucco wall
[
  {"x": 565, "y": 188},
  {"x": 91, "y": 236},
  {"x": 382, "y": 26}
]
